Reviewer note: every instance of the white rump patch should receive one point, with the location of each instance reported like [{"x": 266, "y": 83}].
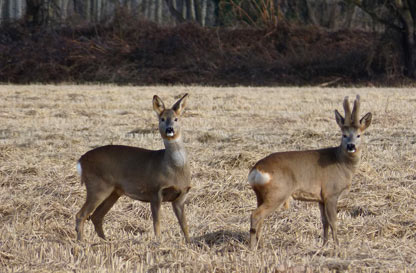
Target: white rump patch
[
  {"x": 79, "y": 168},
  {"x": 257, "y": 177}
]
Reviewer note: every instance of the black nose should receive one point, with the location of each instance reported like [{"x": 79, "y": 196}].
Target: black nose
[
  {"x": 169, "y": 130},
  {"x": 351, "y": 147}
]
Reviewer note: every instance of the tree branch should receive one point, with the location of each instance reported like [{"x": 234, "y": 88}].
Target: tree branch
[
  {"x": 176, "y": 14},
  {"x": 374, "y": 15}
]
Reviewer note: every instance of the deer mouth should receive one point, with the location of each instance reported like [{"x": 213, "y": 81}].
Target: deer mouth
[{"x": 170, "y": 132}]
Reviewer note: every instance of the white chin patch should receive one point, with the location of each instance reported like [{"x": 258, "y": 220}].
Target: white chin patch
[
  {"x": 351, "y": 151},
  {"x": 170, "y": 134}
]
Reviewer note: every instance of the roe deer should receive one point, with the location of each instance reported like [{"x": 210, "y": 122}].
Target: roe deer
[
  {"x": 316, "y": 175},
  {"x": 108, "y": 172}
]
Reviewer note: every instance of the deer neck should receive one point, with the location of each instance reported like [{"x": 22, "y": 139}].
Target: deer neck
[
  {"x": 351, "y": 161},
  {"x": 175, "y": 152}
]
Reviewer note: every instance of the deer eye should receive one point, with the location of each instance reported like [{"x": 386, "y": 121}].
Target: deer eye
[
  {"x": 162, "y": 119},
  {"x": 358, "y": 136},
  {"x": 344, "y": 136},
  {"x": 176, "y": 119}
]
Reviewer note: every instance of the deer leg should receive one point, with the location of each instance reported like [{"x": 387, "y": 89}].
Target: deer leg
[
  {"x": 258, "y": 216},
  {"x": 179, "y": 208},
  {"x": 324, "y": 223},
  {"x": 155, "y": 207},
  {"x": 95, "y": 195},
  {"x": 259, "y": 197},
  {"x": 99, "y": 213},
  {"x": 331, "y": 214},
  {"x": 260, "y": 201}
]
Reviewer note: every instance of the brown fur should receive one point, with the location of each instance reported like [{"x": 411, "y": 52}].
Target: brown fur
[
  {"x": 316, "y": 175},
  {"x": 111, "y": 171}
]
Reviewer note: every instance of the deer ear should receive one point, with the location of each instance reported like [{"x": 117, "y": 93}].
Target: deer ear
[
  {"x": 340, "y": 120},
  {"x": 179, "y": 106},
  {"x": 158, "y": 105},
  {"x": 366, "y": 121}
]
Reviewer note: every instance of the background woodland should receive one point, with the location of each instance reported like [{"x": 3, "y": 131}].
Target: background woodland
[{"x": 214, "y": 42}]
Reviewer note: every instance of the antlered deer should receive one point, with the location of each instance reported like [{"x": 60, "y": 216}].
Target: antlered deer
[
  {"x": 316, "y": 175},
  {"x": 108, "y": 172}
]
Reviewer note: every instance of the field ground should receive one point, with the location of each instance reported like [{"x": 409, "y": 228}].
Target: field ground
[{"x": 44, "y": 130}]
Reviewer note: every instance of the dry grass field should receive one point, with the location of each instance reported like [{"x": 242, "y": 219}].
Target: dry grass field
[{"x": 45, "y": 129}]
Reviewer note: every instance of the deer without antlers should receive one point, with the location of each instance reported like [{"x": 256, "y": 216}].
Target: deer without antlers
[
  {"x": 109, "y": 172},
  {"x": 317, "y": 175}
]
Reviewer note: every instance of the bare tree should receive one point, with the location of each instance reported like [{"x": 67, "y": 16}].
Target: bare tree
[
  {"x": 45, "y": 12},
  {"x": 399, "y": 16},
  {"x": 188, "y": 10},
  {"x": 35, "y": 12},
  {"x": 197, "y": 10},
  {"x": 3, "y": 10},
  {"x": 172, "y": 5}
]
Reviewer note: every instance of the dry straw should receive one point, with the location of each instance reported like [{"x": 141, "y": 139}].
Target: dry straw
[{"x": 44, "y": 130}]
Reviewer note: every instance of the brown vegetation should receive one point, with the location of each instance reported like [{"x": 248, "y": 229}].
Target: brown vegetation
[
  {"x": 44, "y": 130},
  {"x": 128, "y": 51}
]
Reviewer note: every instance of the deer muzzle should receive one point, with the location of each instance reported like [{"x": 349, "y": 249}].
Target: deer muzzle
[
  {"x": 351, "y": 148},
  {"x": 170, "y": 132}
]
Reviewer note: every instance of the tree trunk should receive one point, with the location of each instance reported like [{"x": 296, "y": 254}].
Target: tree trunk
[
  {"x": 197, "y": 11},
  {"x": 309, "y": 15},
  {"x": 4, "y": 9},
  {"x": 204, "y": 5},
  {"x": 19, "y": 9},
  {"x": 212, "y": 14},
  {"x": 407, "y": 18},
  {"x": 409, "y": 50},
  {"x": 412, "y": 38},
  {"x": 159, "y": 11},
  {"x": 174, "y": 11},
  {"x": 189, "y": 10},
  {"x": 152, "y": 10},
  {"x": 349, "y": 15},
  {"x": 34, "y": 14},
  {"x": 401, "y": 18},
  {"x": 143, "y": 8},
  {"x": 1, "y": 10}
]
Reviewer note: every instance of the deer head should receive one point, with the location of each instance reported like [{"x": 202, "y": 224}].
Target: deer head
[
  {"x": 169, "y": 126},
  {"x": 351, "y": 126}
]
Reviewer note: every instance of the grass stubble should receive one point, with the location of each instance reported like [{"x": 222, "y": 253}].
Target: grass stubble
[{"x": 44, "y": 129}]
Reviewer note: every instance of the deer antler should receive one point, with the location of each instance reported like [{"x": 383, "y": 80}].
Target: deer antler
[
  {"x": 356, "y": 112},
  {"x": 347, "y": 119}
]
